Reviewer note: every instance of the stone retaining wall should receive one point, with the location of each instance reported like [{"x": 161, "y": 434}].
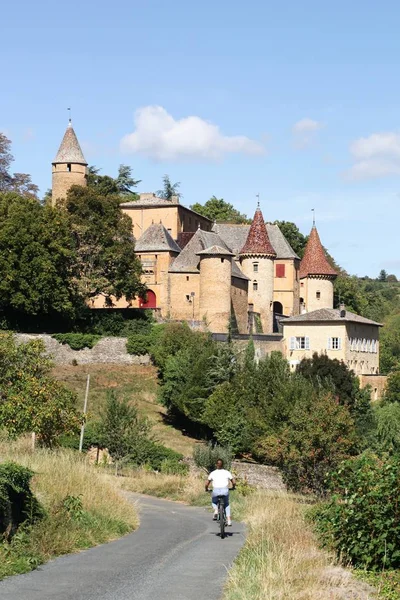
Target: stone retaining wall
[{"x": 107, "y": 350}]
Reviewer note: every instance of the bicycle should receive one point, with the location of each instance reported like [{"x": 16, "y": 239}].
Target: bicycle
[{"x": 221, "y": 515}]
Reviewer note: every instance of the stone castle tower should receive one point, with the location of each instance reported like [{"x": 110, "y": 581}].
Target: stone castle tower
[
  {"x": 316, "y": 276},
  {"x": 257, "y": 263},
  {"x": 215, "y": 287},
  {"x": 69, "y": 166}
]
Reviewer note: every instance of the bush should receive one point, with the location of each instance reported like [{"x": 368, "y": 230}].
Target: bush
[
  {"x": 92, "y": 437},
  {"x": 387, "y": 433},
  {"x": 77, "y": 341},
  {"x": 361, "y": 521},
  {"x": 206, "y": 457},
  {"x": 138, "y": 344},
  {"x": 318, "y": 435},
  {"x": 115, "y": 322},
  {"x": 156, "y": 454},
  {"x": 171, "y": 466},
  {"x": 17, "y": 503}
]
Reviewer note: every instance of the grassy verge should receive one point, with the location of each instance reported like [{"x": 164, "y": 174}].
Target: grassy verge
[
  {"x": 280, "y": 559},
  {"x": 137, "y": 383},
  {"x": 387, "y": 583},
  {"x": 83, "y": 508}
]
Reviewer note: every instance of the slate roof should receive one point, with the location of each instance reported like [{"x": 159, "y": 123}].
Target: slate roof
[
  {"x": 156, "y": 239},
  {"x": 215, "y": 251},
  {"x": 329, "y": 314},
  {"x": 70, "y": 150},
  {"x": 235, "y": 237},
  {"x": 188, "y": 260},
  {"x": 314, "y": 261}
]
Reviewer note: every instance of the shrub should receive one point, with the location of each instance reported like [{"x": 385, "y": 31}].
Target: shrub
[
  {"x": 318, "y": 435},
  {"x": 170, "y": 466},
  {"x": 92, "y": 437},
  {"x": 17, "y": 503},
  {"x": 32, "y": 400},
  {"x": 387, "y": 433},
  {"x": 206, "y": 457},
  {"x": 138, "y": 344},
  {"x": 156, "y": 454},
  {"x": 361, "y": 521},
  {"x": 77, "y": 341}
]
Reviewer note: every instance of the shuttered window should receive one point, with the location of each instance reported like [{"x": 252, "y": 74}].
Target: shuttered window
[{"x": 280, "y": 270}]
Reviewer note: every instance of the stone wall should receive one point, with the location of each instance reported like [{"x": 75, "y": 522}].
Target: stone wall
[
  {"x": 377, "y": 383},
  {"x": 107, "y": 350}
]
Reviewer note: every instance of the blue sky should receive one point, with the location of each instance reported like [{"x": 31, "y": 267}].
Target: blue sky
[{"x": 297, "y": 101}]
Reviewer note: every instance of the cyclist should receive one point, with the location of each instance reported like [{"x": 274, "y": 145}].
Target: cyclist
[{"x": 220, "y": 479}]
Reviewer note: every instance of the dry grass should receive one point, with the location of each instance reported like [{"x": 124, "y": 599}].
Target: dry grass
[
  {"x": 104, "y": 514},
  {"x": 281, "y": 561},
  {"x": 188, "y": 489},
  {"x": 137, "y": 383}
]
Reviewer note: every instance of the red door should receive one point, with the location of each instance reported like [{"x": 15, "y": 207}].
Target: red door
[{"x": 151, "y": 300}]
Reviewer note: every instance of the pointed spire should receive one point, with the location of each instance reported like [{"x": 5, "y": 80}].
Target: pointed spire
[
  {"x": 257, "y": 240},
  {"x": 314, "y": 261},
  {"x": 70, "y": 150}
]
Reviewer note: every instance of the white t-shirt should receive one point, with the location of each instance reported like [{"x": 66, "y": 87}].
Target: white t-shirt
[{"x": 220, "y": 478}]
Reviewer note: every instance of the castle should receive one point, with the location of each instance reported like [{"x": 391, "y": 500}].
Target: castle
[{"x": 243, "y": 277}]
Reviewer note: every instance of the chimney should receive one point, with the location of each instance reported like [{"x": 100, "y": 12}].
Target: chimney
[
  {"x": 342, "y": 309},
  {"x": 175, "y": 199}
]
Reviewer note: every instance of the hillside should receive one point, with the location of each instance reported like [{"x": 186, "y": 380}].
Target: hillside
[{"x": 137, "y": 383}]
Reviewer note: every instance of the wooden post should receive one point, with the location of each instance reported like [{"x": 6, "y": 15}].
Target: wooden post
[
  {"x": 33, "y": 441},
  {"x": 84, "y": 413}
]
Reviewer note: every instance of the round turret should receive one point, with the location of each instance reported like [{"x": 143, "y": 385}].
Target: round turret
[
  {"x": 215, "y": 288},
  {"x": 69, "y": 166}
]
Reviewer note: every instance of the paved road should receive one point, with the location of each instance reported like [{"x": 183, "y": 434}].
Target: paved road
[{"x": 174, "y": 555}]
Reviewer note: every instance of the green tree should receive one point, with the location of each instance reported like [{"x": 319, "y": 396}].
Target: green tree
[
  {"x": 122, "y": 185},
  {"x": 319, "y": 434},
  {"x": 293, "y": 235},
  {"x": 387, "y": 433},
  {"x": 382, "y": 275},
  {"x": 348, "y": 290},
  {"x": 104, "y": 246},
  {"x": 392, "y": 391},
  {"x": 169, "y": 189},
  {"x": 220, "y": 211},
  {"x": 123, "y": 431},
  {"x": 31, "y": 400},
  {"x": 20, "y": 183},
  {"x": 37, "y": 260}
]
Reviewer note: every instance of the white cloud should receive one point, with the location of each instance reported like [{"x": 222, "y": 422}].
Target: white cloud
[
  {"x": 304, "y": 132},
  {"x": 159, "y": 136},
  {"x": 377, "y": 155}
]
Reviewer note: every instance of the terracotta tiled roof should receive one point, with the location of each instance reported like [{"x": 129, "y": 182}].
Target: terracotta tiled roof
[
  {"x": 70, "y": 150},
  {"x": 314, "y": 261},
  {"x": 235, "y": 237},
  {"x": 329, "y": 314},
  {"x": 258, "y": 241}
]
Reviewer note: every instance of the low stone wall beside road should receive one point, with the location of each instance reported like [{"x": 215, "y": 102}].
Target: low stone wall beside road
[{"x": 107, "y": 350}]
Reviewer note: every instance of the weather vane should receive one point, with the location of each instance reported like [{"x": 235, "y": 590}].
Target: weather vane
[
  {"x": 69, "y": 112},
  {"x": 313, "y": 212},
  {"x": 258, "y": 200}
]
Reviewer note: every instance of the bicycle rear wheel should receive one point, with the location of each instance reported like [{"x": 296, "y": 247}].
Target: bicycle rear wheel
[{"x": 222, "y": 518}]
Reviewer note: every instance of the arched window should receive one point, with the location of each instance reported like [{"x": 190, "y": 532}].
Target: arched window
[{"x": 255, "y": 286}]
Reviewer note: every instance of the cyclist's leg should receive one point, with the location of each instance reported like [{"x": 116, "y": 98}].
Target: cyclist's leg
[
  {"x": 227, "y": 508},
  {"x": 214, "y": 504}
]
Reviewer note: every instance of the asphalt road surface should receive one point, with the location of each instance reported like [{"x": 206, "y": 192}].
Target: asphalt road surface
[{"x": 175, "y": 554}]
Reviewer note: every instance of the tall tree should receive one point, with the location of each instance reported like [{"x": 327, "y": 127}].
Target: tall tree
[
  {"x": 37, "y": 259},
  {"x": 104, "y": 244},
  {"x": 16, "y": 182},
  {"x": 122, "y": 185},
  {"x": 382, "y": 275},
  {"x": 220, "y": 211},
  {"x": 169, "y": 189}
]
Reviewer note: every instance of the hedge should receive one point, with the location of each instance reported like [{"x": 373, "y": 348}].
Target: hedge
[
  {"x": 17, "y": 502},
  {"x": 77, "y": 341}
]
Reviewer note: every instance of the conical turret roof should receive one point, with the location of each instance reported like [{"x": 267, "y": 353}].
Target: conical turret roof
[
  {"x": 314, "y": 261},
  {"x": 257, "y": 241},
  {"x": 70, "y": 150}
]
